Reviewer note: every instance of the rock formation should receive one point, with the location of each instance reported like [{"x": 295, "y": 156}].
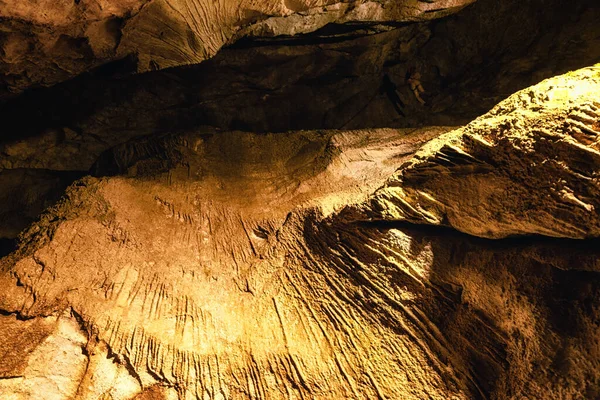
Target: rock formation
[
  {"x": 323, "y": 264},
  {"x": 219, "y": 199},
  {"x": 529, "y": 166},
  {"x": 26, "y": 193},
  {"x": 44, "y": 42},
  {"x": 329, "y": 79}
]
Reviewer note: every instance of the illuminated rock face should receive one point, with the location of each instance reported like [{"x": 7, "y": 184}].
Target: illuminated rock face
[
  {"x": 529, "y": 166},
  {"x": 248, "y": 266},
  {"x": 41, "y": 358},
  {"x": 44, "y": 42}
]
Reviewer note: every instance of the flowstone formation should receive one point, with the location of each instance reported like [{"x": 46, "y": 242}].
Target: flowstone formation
[{"x": 324, "y": 264}]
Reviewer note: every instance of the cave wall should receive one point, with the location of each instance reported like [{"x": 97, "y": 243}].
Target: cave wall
[
  {"x": 45, "y": 42},
  {"x": 330, "y": 79},
  {"x": 324, "y": 264},
  {"x": 284, "y": 219}
]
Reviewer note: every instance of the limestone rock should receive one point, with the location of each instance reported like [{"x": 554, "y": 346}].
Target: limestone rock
[
  {"x": 53, "y": 149},
  {"x": 25, "y": 193},
  {"x": 106, "y": 377},
  {"x": 190, "y": 275},
  {"x": 41, "y": 358},
  {"x": 330, "y": 79},
  {"x": 528, "y": 167},
  {"x": 51, "y": 358},
  {"x": 44, "y": 42},
  {"x": 220, "y": 266},
  {"x": 203, "y": 262}
]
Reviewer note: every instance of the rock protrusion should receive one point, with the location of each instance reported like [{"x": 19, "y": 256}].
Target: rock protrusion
[{"x": 528, "y": 167}]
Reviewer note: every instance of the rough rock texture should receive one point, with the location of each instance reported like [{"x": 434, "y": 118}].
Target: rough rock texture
[
  {"x": 52, "y": 358},
  {"x": 220, "y": 266},
  {"x": 43, "y": 41},
  {"x": 211, "y": 224},
  {"x": 330, "y": 79},
  {"x": 529, "y": 166},
  {"x": 41, "y": 357},
  {"x": 52, "y": 149}
]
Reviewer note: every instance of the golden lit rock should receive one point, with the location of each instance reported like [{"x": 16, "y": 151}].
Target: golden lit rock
[
  {"x": 299, "y": 199},
  {"x": 529, "y": 166},
  {"x": 233, "y": 265}
]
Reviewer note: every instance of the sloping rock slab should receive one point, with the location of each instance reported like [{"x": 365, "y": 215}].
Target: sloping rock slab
[
  {"x": 222, "y": 267},
  {"x": 531, "y": 166}
]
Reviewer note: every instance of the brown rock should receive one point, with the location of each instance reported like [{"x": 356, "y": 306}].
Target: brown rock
[
  {"x": 529, "y": 166},
  {"x": 41, "y": 358},
  {"x": 64, "y": 39},
  {"x": 220, "y": 266}
]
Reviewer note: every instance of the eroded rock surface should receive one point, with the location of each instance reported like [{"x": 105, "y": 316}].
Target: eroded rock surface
[
  {"x": 529, "y": 166},
  {"x": 42, "y": 358},
  {"x": 211, "y": 240},
  {"x": 220, "y": 266},
  {"x": 51, "y": 357},
  {"x": 332, "y": 78},
  {"x": 44, "y": 42}
]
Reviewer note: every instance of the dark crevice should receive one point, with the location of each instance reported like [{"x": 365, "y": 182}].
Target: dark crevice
[
  {"x": 125, "y": 361},
  {"x": 7, "y": 246},
  {"x": 329, "y": 34},
  {"x": 19, "y": 315},
  {"x": 84, "y": 326},
  {"x": 115, "y": 69}
]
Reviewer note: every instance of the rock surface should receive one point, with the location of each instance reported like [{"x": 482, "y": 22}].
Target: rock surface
[
  {"x": 226, "y": 266},
  {"x": 330, "y": 79},
  {"x": 42, "y": 358},
  {"x": 44, "y": 42},
  {"x": 529, "y": 166}
]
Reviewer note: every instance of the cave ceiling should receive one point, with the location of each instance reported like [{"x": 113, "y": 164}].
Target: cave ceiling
[
  {"x": 299, "y": 199},
  {"x": 45, "y": 42}
]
